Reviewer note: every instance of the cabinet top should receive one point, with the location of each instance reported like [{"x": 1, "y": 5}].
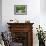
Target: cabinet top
[{"x": 19, "y": 23}]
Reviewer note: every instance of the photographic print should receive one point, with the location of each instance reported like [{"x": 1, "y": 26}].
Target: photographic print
[{"x": 20, "y": 9}]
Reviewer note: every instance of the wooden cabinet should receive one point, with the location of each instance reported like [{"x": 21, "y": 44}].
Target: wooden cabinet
[{"x": 22, "y": 33}]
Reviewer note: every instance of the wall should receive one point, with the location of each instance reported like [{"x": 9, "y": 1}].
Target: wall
[
  {"x": 43, "y": 6},
  {"x": 0, "y": 15},
  {"x": 34, "y": 14},
  {"x": 43, "y": 14},
  {"x": 33, "y": 11}
]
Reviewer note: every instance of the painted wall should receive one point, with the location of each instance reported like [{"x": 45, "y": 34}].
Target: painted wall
[
  {"x": 0, "y": 15},
  {"x": 43, "y": 6},
  {"x": 33, "y": 11},
  {"x": 33, "y": 14}
]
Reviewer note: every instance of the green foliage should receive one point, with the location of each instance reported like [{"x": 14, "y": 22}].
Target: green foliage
[
  {"x": 40, "y": 33},
  {"x": 20, "y": 7}
]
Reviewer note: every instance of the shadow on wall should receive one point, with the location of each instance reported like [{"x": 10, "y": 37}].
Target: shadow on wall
[
  {"x": 0, "y": 15},
  {"x": 43, "y": 6}
]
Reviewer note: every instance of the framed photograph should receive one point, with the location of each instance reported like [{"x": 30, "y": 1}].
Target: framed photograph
[{"x": 20, "y": 9}]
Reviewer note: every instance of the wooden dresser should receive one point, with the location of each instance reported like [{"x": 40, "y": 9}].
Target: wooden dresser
[{"x": 22, "y": 33}]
